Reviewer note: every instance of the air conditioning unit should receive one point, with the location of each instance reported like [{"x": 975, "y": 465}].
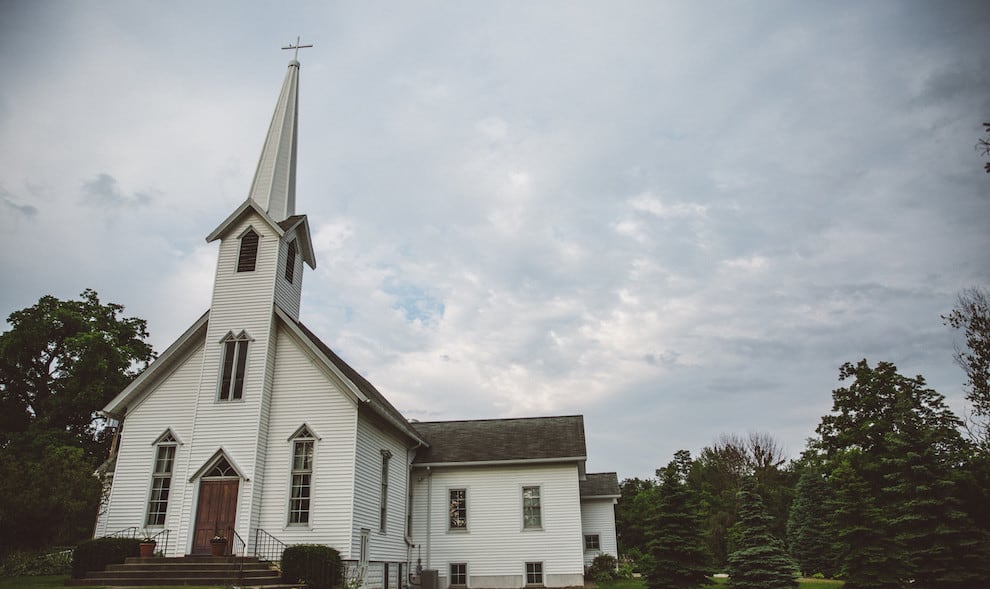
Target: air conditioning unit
[{"x": 429, "y": 579}]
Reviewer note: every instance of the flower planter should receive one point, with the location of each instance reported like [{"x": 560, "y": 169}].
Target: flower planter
[
  {"x": 146, "y": 549},
  {"x": 218, "y": 547}
]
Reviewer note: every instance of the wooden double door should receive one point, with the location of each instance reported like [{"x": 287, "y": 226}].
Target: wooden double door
[{"x": 216, "y": 513}]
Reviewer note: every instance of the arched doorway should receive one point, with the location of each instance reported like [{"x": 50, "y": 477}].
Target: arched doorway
[{"x": 216, "y": 511}]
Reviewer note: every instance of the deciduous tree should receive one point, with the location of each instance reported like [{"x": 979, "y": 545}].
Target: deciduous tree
[
  {"x": 971, "y": 315},
  {"x": 60, "y": 362}
]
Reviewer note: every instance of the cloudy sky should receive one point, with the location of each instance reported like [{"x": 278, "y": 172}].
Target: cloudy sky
[{"x": 676, "y": 218}]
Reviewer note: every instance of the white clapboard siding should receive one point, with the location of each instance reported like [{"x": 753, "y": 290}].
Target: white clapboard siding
[
  {"x": 495, "y": 545},
  {"x": 373, "y": 437},
  {"x": 242, "y": 301},
  {"x": 169, "y": 405},
  {"x": 598, "y": 517},
  {"x": 304, "y": 394}
]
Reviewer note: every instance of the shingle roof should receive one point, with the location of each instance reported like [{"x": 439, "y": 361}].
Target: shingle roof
[
  {"x": 600, "y": 484},
  {"x": 379, "y": 402},
  {"x": 498, "y": 440}
]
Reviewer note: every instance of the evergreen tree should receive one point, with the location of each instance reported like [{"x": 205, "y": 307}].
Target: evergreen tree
[
  {"x": 759, "y": 560},
  {"x": 896, "y": 454},
  {"x": 676, "y": 542},
  {"x": 867, "y": 553},
  {"x": 809, "y": 539}
]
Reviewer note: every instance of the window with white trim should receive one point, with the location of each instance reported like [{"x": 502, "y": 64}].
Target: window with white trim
[
  {"x": 534, "y": 573},
  {"x": 458, "y": 509},
  {"x": 592, "y": 542},
  {"x": 383, "y": 499},
  {"x": 458, "y": 574},
  {"x": 302, "y": 477},
  {"x": 161, "y": 480},
  {"x": 233, "y": 366},
  {"x": 532, "y": 516}
]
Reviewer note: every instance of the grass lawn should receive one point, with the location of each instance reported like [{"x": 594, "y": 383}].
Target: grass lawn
[
  {"x": 802, "y": 584},
  {"x": 57, "y": 582}
]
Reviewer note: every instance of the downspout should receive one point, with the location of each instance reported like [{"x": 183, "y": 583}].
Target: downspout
[
  {"x": 429, "y": 511},
  {"x": 410, "y": 457}
]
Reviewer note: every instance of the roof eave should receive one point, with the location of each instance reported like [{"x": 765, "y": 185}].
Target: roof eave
[
  {"x": 237, "y": 214},
  {"x": 161, "y": 363},
  {"x": 508, "y": 462},
  {"x": 308, "y": 254}
]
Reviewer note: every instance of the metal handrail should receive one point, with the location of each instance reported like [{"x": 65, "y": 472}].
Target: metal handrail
[
  {"x": 166, "y": 532},
  {"x": 130, "y": 532},
  {"x": 268, "y": 547},
  {"x": 233, "y": 552}
]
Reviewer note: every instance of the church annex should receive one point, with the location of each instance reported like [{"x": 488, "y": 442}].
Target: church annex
[{"x": 250, "y": 428}]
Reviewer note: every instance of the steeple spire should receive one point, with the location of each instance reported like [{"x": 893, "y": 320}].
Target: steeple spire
[{"x": 274, "y": 185}]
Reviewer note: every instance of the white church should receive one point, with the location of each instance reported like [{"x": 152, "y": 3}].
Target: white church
[{"x": 250, "y": 428}]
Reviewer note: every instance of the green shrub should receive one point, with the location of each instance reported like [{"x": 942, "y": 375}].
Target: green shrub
[
  {"x": 602, "y": 569},
  {"x": 95, "y": 555},
  {"x": 314, "y": 564},
  {"x": 32, "y": 564},
  {"x": 625, "y": 570}
]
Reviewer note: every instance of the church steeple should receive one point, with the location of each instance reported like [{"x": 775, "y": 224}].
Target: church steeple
[
  {"x": 274, "y": 185},
  {"x": 264, "y": 243}
]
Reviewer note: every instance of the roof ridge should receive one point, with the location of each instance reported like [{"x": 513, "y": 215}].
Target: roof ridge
[{"x": 531, "y": 417}]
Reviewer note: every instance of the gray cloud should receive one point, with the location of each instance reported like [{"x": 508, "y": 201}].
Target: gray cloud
[
  {"x": 105, "y": 191},
  {"x": 675, "y": 220},
  {"x": 19, "y": 209}
]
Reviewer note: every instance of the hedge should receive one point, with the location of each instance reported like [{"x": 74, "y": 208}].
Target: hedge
[
  {"x": 95, "y": 555},
  {"x": 314, "y": 564}
]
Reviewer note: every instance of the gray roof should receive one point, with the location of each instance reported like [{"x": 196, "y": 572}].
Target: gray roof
[
  {"x": 600, "y": 484},
  {"x": 501, "y": 440},
  {"x": 378, "y": 401}
]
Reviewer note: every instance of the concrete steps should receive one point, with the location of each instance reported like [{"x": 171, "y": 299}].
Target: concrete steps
[{"x": 185, "y": 570}]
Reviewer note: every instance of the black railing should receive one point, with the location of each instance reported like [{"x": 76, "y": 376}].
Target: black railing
[
  {"x": 131, "y": 532},
  {"x": 239, "y": 546},
  {"x": 157, "y": 538},
  {"x": 268, "y": 547},
  {"x": 162, "y": 537}
]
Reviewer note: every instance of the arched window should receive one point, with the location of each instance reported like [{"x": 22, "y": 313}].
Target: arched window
[
  {"x": 248, "y": 255},
  {"x": 161, "y": 479},
  {"x": 302, "y": 476},
  {"x": 234, "y": 366},
  {"x": 290, "y": 261}
]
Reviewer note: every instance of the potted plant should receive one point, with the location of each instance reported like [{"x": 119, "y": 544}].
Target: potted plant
[
  {"x": 218, "y": 545},
  {"x": 146, "y": 549}
]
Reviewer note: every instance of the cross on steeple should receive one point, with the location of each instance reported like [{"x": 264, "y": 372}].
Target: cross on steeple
[{"x": 297, "y": 47}]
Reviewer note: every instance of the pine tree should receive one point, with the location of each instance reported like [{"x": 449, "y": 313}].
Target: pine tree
[
  {"x": 759, "y": 560},
  {"x": 809, "y": 539},
  {"x": 897, "y": 461},
  {"x": 676, "y": 542},
  {"x": 867, "y": 552}
]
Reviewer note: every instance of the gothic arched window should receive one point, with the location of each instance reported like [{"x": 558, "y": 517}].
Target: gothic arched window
[
  {"x": 290, "y": 261},
  {"x": 234, "y": 366},
  {"x": 248, "y": 254}
]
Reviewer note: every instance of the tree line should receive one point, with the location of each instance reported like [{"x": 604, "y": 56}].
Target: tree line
[{"x": 892, "y": 491}]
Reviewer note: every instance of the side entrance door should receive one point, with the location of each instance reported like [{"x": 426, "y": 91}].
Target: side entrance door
[{"x": 216, "y": 513}]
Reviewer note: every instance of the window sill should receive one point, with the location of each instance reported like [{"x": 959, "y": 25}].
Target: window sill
[
  {"x": 297, "y": 527},
  {"x": 532, "y": 529},
  {"x": 457, "y": 530}
]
